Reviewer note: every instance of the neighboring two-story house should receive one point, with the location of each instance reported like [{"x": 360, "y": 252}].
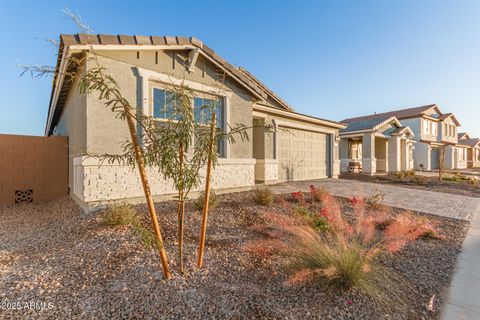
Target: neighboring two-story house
[
  {"x": 432, "y": 130},
  {"x": 145, "y": 67}
]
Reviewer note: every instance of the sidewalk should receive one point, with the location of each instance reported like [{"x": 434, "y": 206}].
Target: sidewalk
[{"x": 463, "y": 300}]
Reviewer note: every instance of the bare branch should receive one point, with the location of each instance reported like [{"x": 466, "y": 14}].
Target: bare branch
[
  {"x": 36, "y": 71},
  {"x": 84, "y": 28},
  {"x": 50, "y": 41}
]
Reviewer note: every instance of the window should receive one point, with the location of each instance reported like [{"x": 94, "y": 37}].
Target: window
[
  {"x": 164, "y": 107},
  {"x": 433, "y": 128},
  {"x": 355, "y": 150},
  {"x": 164, "y": 104},
  {"x": 426, "y": 127},
  {"x": 203, "y": 108}
]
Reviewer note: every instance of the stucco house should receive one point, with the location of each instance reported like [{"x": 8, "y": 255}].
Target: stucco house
[
  {"x": 432, "y": 130},
  {"x": 301, "y": 146},
  {"x": 473, "y": 149},
  {"x": 375, "y": 144}
]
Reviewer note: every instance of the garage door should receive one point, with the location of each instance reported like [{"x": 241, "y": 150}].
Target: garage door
[
  {"x": 435, "y": 158},
  {"x": 302, "y": 154}
]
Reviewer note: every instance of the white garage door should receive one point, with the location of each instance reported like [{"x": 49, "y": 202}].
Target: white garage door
[{"x": 302, "y": 155}]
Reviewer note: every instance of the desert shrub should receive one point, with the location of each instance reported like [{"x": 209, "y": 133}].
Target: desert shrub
[
  {"x": 420, "y": 180},
  {"x": 375, "y": 200},
  {"x": 410, "y": 173},
  {"x": 405, "y": 174},
  {"x": 119, "y": 215},
  {"x": 264, "y": 196},
  {"x": 125, "y": 215},
  {"x": 458, "y": 177},
  {"x": 213, "y": 200},
  {"x": 400, "y": 175},
  {"x": 346, "y": 256}
]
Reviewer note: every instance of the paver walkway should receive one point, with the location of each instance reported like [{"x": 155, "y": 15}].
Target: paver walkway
[{"x": 449, "y": 205}]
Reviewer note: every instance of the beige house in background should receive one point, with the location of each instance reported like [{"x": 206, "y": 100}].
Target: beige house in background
[
  {"x": 300, "y": 147},
  {"x": 375, "y": 145},
  {"x": 432, "y": 131},
  {"x": 472, "y": 146}
]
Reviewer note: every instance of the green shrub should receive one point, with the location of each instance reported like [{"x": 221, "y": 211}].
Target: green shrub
[
  {"x": 125, "y": 215},
  {"x": 301, "y": 211},
  {"x": 146, "y": 236},
  {"x": 318, "y": 221},
  {"x": 264, "y": 196},
  {"x": 213, "y": 200}
]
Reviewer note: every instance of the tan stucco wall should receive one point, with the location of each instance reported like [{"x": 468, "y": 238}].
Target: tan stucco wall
[
  {"x": 105, "y": 133},
  {"x": 73, "y": 124}
]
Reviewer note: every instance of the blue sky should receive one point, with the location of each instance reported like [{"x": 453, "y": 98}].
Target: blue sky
[{"x": 332, "y": 59}]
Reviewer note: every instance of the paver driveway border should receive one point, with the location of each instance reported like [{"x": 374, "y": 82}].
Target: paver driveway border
[{"x": 431, "y": 202}]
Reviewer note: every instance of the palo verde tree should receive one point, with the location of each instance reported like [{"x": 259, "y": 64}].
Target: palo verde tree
[
  {"x": 97, "y": 80},
  {"x": 182, "y": 145}
]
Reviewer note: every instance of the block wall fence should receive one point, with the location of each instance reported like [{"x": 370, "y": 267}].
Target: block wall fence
[{"x": 33, "y": 168}]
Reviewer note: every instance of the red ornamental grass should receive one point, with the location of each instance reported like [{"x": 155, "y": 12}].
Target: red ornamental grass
[{"x": 344, "y": 256}]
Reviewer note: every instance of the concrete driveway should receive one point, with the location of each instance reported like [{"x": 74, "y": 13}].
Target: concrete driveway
[{"x": 442, "y": 204}]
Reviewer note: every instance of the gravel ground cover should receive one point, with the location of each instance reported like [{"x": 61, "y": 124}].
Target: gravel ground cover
[
  {"x": 425, "y": 183},
  {"x": 73, "y": 267}
]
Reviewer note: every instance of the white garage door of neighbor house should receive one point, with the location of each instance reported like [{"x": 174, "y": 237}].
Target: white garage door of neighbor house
[{"x": 302, "y": 155}]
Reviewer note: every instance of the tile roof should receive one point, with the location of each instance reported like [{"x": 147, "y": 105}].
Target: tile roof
[
  {"x": 241, "y": 75},
  {"x": 399, "y": 114},
  {"x": 469, "y": 142},
  {"x": 103, "y": 39},
  {"x": 363, "y": 123}
]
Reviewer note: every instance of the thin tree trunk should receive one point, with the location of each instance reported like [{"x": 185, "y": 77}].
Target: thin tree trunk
[
  {"x": 181, "y": 210},
  {"x": 203, "y": 230},
  {"x": 441, "y": 163},
  {"x": 148, "y": 195}
]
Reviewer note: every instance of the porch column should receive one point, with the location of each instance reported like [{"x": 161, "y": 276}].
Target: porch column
[
  {"x": 404, "y": 155},
  {"x": 369, "y": 162},
  {"x": 335, "y": 146},
  {"x": 394, "y": 154}
]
